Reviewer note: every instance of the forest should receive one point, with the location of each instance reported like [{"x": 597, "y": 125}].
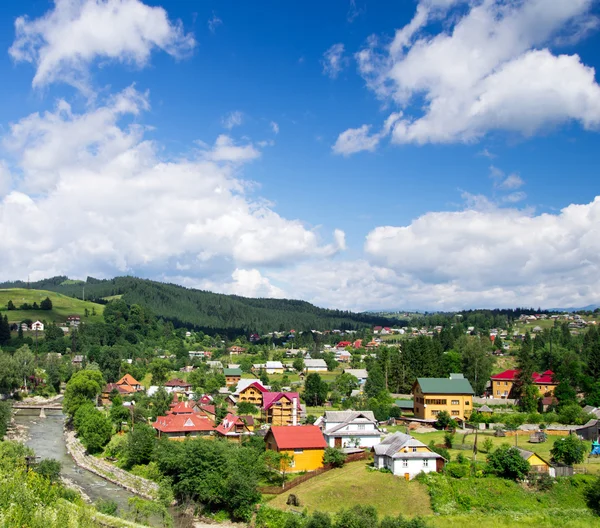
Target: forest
[{"x": 210, "y": 312}]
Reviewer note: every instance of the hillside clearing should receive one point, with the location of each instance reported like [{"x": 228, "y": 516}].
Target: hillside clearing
[
  {"x": 355, "y": 484},
  {"x": 62, "y": 306}
]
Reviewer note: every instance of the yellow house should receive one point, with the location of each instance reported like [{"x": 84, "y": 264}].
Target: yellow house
[
  {"x": 434, "y": 395},
  {"x": 304, "y": 443},
  {"x": 537, "y": 463},
  {"x": 252, "y": 394},
  {"x": 232, "y": 376},
  {"x": 503, "y": 383}
]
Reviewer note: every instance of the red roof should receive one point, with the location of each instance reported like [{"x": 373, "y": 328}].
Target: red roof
[
  {"x": 298, "y": 437},
  {"x": 343, "y": 344},
  {"x": 229, "y": 424},
  {"x": 377, "y": 328},
  {"x": 210, "y": 409},
  {"x": 122, "y": 389},
  {"x": 184, "y": 407},
  {"x": 269, "y": 398},
  {"x": 180, "y": 423},
  {"x": 545, "y": 378},
  {"x": 177, "y": 383},
  {"x": 257, "y": 385},
  {"x": 205, "y": 399}
]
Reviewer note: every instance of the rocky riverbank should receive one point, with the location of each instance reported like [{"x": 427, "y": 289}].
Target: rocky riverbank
[{"x": 138, "y": 485}]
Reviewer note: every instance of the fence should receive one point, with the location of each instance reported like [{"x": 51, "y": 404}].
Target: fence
[{"x": 276, "y": 490}]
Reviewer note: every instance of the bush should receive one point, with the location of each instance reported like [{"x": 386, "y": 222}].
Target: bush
[
  {"x": 506, "y": 462},
  {"x": 568, "y": 450},
  {"x": 334, "y": 456},
  {"x": 592, "y": 496},
  {"x": 107, "y": 507},
  {"x": 443, "y": 420},
  {"x": 49, "y": 468},
  {"x": 571, "y": 414},
  {"x": 448, "y": 439},
  {"x": 246, "y": 408},
  {"x": 357, "y": 517},
  {"x": 457, "y": 470},
  {"x": 116, "y": 447},
  {"x": 440, "y": 450},
  {"x": 487, "y": 445}
]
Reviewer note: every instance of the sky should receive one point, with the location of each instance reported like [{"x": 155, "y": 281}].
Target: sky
[{"x": 430, "y": 154}]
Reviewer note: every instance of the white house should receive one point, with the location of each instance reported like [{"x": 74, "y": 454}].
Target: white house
[
  {"x": 360, "y": 374},
  {"x": 274, "y": 367},
  {"x": 315, "y": 365},
  {"x": 350, "y": 429},
  {"x": 38, "y": 325},
  {"x": 404, "y": 455}
]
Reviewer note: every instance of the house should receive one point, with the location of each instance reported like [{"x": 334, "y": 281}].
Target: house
[
  {"x": 182, "y": 426},
  {"x": 281, "y": 408},
  {"x": 232, "y": 376},
  {"x": 350, "y": 429},
  {"x": 590, "y": 430},
  {"x": 129, "y": 381},
  {"x": 503, "y": 383},
  {"x": 38, "y": 326},
  {"x": 404, "y": 455},
  {"x": 315, "y": 365},
  {"x": 343, "y": 356},
  {"x": 215, "y": 365},
  {"x": 178, "y": 385},
  {"x": 108, "y": 390},
  {"x": 196, "y": 354},
  {"x": 234, "y": 428},
  {"x": 537, "y": 463},
  {"x": 74, "y": 320},
  {"x": 343, "y": 344},
  {"x": 360, "y": 374},
  {"x": 252, "y": 393},
  {"x": 434, "y": 395},
  {"x": 274, "y": 367},
  {"x": 305, "y": 443},
  {"x": 77, "y": 360},
  {"x": 236, "y": 350}
]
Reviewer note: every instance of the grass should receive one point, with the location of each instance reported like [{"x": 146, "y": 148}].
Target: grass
[
  {"x": 62, "y": 306},
  {"x": 356, "y": 484},
  {"x": 510, "y": 520}
]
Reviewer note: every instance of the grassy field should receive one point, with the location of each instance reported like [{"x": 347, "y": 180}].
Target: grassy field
[
  {"x": 62, "y": 306},
  {"x": 355, "y": 484},
  {"x": 517, "y": 519}
]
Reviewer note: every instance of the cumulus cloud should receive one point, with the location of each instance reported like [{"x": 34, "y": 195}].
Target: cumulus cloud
[
  {"x": 334, "y": 61},
  {"x": 106, "y": 203},
  {"x": 214, "y": 22},
  {"x": 492, "y": 70},
  {"x": 63, "y": 42},
  {"x": 233, "y": 119},
  {"x": 359, "y": 139}
]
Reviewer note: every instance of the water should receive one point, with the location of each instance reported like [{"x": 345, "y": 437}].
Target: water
[{"x": 46, "y": 439}]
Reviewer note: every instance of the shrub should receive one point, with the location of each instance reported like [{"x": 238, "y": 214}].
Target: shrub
[
  {"x": 443, "y": 420},
  {"x": 592, "y": 496},
  {"x": 49, "y": 468},
  {"x": 108, "y": 507},
  {"x": 568, "y": 450},
  {"x": 246, "y": 408},
  {"x": 116, "y": 447},
  {"x": 457, "y": 470},
  {"x": 440, "y": 450},
  {"x": 448, "y": 439},
  {"x": 487, "y": 445},
  {"x": 506, "y": 462},
  {"x": 334, "y": 456}
]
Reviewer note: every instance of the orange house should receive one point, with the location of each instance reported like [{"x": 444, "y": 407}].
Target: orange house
[{"x": 252, "y": 394}]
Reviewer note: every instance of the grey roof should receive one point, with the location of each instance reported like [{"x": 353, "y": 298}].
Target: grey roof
[
  {"x": 348, "y": 416},
  {"x": 308, "y": 363},
  {"x": 445, "y": 386},
  {"x": 335, "y": 432},
  {"x": 357, "y": 373},
  {"x": 405, "y": 404},
  {"x": 456, "y": 375},
  {"x": 484, "y": 408},
  {"x": 392, "y": 445},
  {"x": 588, "y": 409}
]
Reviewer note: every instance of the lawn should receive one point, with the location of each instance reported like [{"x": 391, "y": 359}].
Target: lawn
[
  {"x": 516, "y": 519},
  {"x": 356, "y": 484},
  {"x": 62, "y": 306}
]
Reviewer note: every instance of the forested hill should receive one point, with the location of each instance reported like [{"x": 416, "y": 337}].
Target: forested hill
[{"x": 207, "y": 311}]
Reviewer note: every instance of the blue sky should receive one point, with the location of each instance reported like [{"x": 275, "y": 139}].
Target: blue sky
[{"x": 359, "y": 155}]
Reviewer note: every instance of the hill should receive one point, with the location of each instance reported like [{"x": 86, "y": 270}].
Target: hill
[
  {"x": 204, "y": 310},
  {"x": 62, "y": 306}
]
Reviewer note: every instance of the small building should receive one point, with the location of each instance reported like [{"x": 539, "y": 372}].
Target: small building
[
  {"x": 537, "y": 463},
  {"x": 232, "y": 376},
  {"x": 305, "y": 443},
  {"x": 178, "y": 385},
  {"x": 74, "y": 320},
  {"x": 77, "y": 360},
  {"x": 236, "y": 350},
  {"x": 38, "y": 326},
  {"x": 274, "y": 367},
  {"x": 350, "y": 429},
  {"x": 315, "y": 365},
  {"x": 404, "y": 455},
  {"x": 234, "y": 428},
  {"x": 434, "y": 395},
  {"x": 215, "y": 365},
  {"x": 182, "y": 426},
  {"x": 503, "y": 383},
  {"x": 360, "y": 374},
  {"x": 129, "y": 381},
  {"x": 590, "y": 430}
]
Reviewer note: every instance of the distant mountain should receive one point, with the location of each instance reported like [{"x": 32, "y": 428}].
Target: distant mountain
[
  {"x": 588, "y": 308},
  {"x": 204, "y": 310}
]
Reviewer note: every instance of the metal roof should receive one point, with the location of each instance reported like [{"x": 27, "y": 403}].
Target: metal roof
[{"x": 445, "y": 386}]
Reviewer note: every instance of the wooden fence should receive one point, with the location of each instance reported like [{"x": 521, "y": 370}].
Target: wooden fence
[{"x": 276, "y": 490}]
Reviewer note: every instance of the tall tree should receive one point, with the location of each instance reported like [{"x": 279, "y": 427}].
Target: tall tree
[
  {"x": 477, "y": 362},
  {"x": 315, "y": 390}
]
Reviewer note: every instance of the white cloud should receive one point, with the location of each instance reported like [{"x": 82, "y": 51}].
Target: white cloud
[
  {"x": 67, "y": 39},
  {"x": 514, "y": 197},
  {"x": 334, "y": 61},
  {"x": 491, "y": 71},
  {"x": 100, "y": 200},
  {"x": 512, "y": 181},
  {"x": 274, "y": 127},
  {"x": 214, "y": 22},
  {"x": 359, "y": 139},
  {"x": 233, "y": 119},
  {"x": 354, "y": 12}
]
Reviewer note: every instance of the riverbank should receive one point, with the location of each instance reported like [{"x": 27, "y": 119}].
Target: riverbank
[{"x": 140, "y": 486}]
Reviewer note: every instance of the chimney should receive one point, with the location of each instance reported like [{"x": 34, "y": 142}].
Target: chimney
[{"x": 294, "y": 411}]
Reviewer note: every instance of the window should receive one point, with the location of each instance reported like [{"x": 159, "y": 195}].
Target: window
[
  {"x": 361, "y": 427},
  {"x": 455, "y": 413},
  {"x": 298, "y": 451},
  {"x": 435, "y": 412},
  {"x": 467, "y": 402},
  {"x": 426, "y": 463},
  {"x": 455, "y": 402},
  {"x": 414, "y": 449},
  {"x": 436, "y": 402},
  {"x": 404, "y": 462},
  {"x": 506, "y": 383},
  {"x": 497, "y": 393}
]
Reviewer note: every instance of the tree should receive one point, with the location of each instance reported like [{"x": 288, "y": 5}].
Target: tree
[
  {"x": 568, "y": 450},
  {"x": 9, "y": 376},
  {"x": 524, "y": 387},
  {"x": 375, "y": 381},
  {"x": 345, "y": 383},
  {"x": 4, "y": 330},
  {"x": 477, "y": 362},
  {"x": 298, "y": 364},
  {"x": 161, "y": 400},
  {"x": 315, "y": 390},
  {"x": 83, "y": 387},
  {"x": 5, "y": 415},
  {"x": 334, "y": 457},
  {"x": 357, "y": 517},
  {"x": 53, "y": 376},
  {"x": 118, "y": 414},
  {"x": 506, "y": 462},
  {"x": 140, "y": 445},
  {"x": 10, "y": 305},
  {"x": 93, "y": 427},
  {"x": 24, "y": 362},
  {"x": 245, "y": 407},
  {"x": 46, "y": 304},
  {"x": 443, "y": 420},
  {"x": 49, "y": 468},
  {"x": 159, "y": 368}
]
